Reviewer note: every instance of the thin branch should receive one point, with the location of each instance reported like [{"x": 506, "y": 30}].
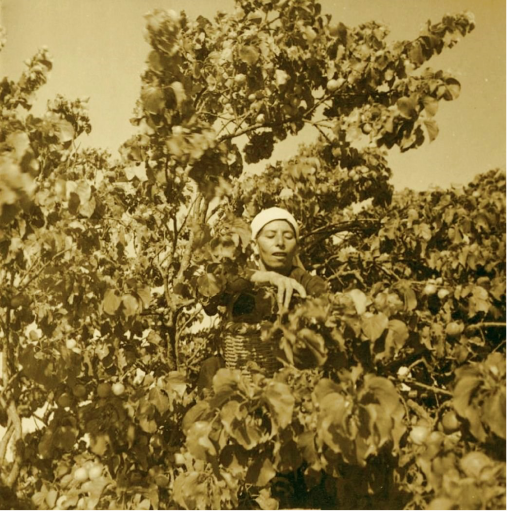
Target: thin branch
[
  {"x": 329, "y": 141},
  {"x": 191, "y": 318},
  {"x": 435, "y": 390},
  {"x": 9, "y": 383},
  {"x": 58, "y": 254},
  {"x": 341, "y": 227},
  {"x": 486, "y": 324},
  {"x": 5, "y": 441}
]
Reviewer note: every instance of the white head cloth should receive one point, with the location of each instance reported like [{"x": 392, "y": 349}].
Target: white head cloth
[{"x": 270, "y": 215}]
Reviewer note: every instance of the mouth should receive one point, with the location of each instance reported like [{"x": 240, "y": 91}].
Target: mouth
[{"x": 279, "y": 255}]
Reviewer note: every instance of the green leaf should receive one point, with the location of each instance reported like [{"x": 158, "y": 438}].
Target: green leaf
[
  {"x": 493, "y": 410},
  {"x": 235, "y": 459},
  {"x": 87, "y": 208},
  {"x": 153, "y": 99},
  {"x": 478, "y": 302},
  {"x": 45, "y": 447},
  {"x": 361, "y": 301},
  {"x": 130, "y": 305},
  {"x": 265, "y": 500},
  {"x": 198, "y": 442},
  {"x": 325, "y": 387},
  {"x": 210, "y": 285},
  {"x": 179, "y": 92},
  {"x": 144, "y": 294},
  {"x": 249, "y": 54},
  {"x": 313, "y": 352},
  {"x": 453, "y": 89},
  {"x": 190, "y": 490},
  {"x": 407, "y": 107},
  {"x": 398, "y": 333},
  {"x": 230, "y": 414},
  {"x": 146, "y": 413},
  {"x": 306, "y": 444},
  {"x": 281, "y": 402},
  {"x": 200, "y": 411},
  {"x": 260, "y": 472},
  {"x": 416, "y": 54},
  {"x": 374, "y": 326},
  {"x": 158, "y": 399},
  {"x": 431, "y": 128},
  {"x": 65, "y": 437},
  {"x": 442, "y": 503},
  {"x": 99, "y": 443},
  {"x": 65, "y": 130},
  {"x": 430, "y": 105},
  {"x": 111, "y": 302}
]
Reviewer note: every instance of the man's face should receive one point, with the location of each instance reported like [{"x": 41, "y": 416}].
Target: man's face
[{"x": 277, "y": 246}]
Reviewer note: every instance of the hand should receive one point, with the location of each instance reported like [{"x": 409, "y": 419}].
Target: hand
[{"x": 285, "y": 286}]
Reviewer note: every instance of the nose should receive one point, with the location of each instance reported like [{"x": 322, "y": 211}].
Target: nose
[{"x": 279, "y": 240}]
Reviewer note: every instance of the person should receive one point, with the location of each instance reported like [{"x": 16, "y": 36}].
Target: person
[{"x": 275, "y": 235}]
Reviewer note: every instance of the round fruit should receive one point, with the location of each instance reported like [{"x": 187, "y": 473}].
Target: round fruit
[
  {"x": 103, "y": 389},
  {"x": 81, "y": 474},
  {"x": 260, "y": 118},
  {"x": 64, "y": 400},
  {"x": 442, "y": 293},
  {"x": 34, "y": 335},
  {"x": 450, "y": 422},
  {"x": 79, "y": 390},
  {"x": 453, "y": 329},
  {"x": 94, "y": 472},
  {"x": 430, "y": 289},
  {"x": 367, "y": 128},
  {"x": 70, "y": 343},
  {"x": 240, "y": 78},
  {"x": 333, "y": 85},
  {"x": 118, "y": 388},
  {"x": 474, "y": 462},
  {"x": 418, "y": 434}
]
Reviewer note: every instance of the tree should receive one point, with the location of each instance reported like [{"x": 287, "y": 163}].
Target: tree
[{"x": 393, "y": 378}]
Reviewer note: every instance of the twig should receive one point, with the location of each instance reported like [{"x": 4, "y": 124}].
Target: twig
[
  {"x": 435, "y": 390},
  {"x": 58, "y": 254},
  {"x": 486, "y": 324},
  {"x": 9, "y": 383},
  {"x": 499, "y": 346},
  {"x": 341, "y": 227}
]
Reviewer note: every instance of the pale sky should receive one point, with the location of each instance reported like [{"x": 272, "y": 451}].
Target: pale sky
[{"x": 98, "y": 51}]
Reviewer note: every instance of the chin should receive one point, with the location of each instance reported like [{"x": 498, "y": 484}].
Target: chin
[{"x": 279, "y": 268}]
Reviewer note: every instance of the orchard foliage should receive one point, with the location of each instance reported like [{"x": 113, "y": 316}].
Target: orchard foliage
[{"x": 392, "y": 393}]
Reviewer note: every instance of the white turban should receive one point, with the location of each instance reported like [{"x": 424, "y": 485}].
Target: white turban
[{"x": 270, "y": 215}]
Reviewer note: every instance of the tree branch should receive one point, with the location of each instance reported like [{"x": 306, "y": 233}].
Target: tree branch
[
  {"x": 5, "y": 441},
  {"x": 44, "y": 266},
  {"x": 486, "y": 324},
  {"x": 343, "y": 226},
  {"x": 435, "y": 390},
  {"x": 17, "y": 434}
]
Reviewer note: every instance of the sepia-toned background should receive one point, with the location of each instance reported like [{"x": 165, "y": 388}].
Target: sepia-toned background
[{"x": 99, "y": 51}]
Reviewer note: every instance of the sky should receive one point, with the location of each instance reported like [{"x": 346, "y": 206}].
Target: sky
[{"x": 98, "y": 51}]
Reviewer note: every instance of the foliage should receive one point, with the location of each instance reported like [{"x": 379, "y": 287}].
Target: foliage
[{"x": 395, "y": 378}]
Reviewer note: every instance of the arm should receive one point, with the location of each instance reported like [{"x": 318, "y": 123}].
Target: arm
[{"x": 285, "y": 286}]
